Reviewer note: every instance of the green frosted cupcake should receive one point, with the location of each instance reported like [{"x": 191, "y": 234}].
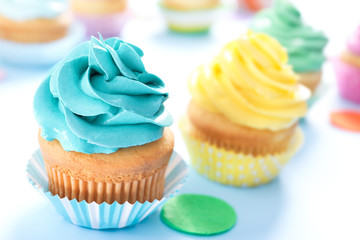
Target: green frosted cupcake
[{"x": 304, "y": 44}]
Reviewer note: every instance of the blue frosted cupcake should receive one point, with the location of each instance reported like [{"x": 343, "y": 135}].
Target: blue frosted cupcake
[{"x": 104, "y": 133}]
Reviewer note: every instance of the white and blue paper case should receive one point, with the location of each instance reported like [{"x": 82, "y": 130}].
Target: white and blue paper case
[{"x": 105, "y": 216}]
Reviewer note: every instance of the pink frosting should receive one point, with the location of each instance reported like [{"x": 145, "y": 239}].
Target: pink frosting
[
  {"x": 348, "y": 79},
  {"x": 353, "y": 42}
]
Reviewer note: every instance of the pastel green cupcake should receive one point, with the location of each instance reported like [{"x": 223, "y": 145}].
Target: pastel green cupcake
[{"x": 304, "y": 44}]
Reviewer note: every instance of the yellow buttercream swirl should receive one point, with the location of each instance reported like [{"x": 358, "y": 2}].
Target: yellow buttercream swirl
[{"x": 250, "y": 83}]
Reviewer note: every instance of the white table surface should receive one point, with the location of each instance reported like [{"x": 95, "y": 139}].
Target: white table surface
[{"x": 317, "y": 195}]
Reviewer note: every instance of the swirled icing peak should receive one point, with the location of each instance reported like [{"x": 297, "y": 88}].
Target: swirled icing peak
[
  {"x": 21, "y": 10},
  {"x": 100, "y": 98},
  {"x": 304, "y": 45},
  {"x": 353, "y": 42},
  {"x": 251, "y": 84}
]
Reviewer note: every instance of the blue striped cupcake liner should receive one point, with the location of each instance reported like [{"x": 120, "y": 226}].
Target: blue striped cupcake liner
[{"x": 106, "y": 216}]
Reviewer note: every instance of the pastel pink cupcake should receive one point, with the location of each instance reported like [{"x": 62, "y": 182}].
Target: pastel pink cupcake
[
  {"x": 106, "y": 17},
  {"x": 347, "y": 69}
]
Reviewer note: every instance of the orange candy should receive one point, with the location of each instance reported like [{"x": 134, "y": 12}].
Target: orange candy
[
  {"x": 253, "y": 5},
  {"x": 346, "y": 119}
]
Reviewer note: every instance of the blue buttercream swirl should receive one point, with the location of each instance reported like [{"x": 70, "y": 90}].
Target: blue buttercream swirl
[{"x": 100, "y": 98}]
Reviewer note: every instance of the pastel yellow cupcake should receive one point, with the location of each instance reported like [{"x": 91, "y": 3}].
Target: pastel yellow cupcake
[{"x": 241, "y": 124}]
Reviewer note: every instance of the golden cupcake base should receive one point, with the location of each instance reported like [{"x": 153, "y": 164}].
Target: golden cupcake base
[
  {"x": 128, "y": 175},
  {"x": 217, "y": 130},
  {"x": 311, "y": 80},
  {"x": 147, "y": 189},
  {"x": 98, "y": 7},
  {"x": 233, "y": 167},
  {"x": 34, "y": 31}
]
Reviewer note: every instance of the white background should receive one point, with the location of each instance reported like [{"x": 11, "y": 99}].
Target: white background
[{"x": 315, "y": 197}]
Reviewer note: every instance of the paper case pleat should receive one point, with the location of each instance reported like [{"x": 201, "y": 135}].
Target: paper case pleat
[
  {"x": 236, "y": 168},
  {"x": 104, "y": 215},
  {"x": 147, "y": 189}
]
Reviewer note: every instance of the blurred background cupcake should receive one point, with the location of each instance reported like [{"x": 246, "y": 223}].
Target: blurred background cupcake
[
  {"x": 106, "y": 17},
  {"x": 241, "y": 124},
  {"x": 347, "y": 69},
  {"x": 36, "y": 32},
  {"x": 33, "y": 21},
  {"x": 304, "y": 45},
  {"x": 189, "y": 16}
]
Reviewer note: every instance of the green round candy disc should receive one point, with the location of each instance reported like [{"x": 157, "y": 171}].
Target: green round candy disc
[{"x": 198, "y": 214}]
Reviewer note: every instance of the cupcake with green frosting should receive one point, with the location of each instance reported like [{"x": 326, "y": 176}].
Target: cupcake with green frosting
[{"x": 304, "y": 44}]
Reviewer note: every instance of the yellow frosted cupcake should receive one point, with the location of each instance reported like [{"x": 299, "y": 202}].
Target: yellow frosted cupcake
[{"x": 241, "y": 125}]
